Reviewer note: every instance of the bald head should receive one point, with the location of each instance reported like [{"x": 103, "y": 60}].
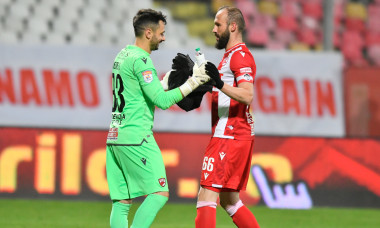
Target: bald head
[{"x": 234, "y": 15}]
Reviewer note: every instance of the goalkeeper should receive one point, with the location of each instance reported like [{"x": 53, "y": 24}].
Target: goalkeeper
[{"x": 134, "y": 164}]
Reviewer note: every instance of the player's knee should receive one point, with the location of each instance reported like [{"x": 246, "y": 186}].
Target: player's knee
[
  {"x": 166, "y": 194},
  {"x": 231, "y": 209},
  {"x": 224, "y": 204},
  {"x": 125, "y": 201}
]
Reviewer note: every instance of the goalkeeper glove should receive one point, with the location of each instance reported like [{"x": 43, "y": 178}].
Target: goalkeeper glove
[
  {"x": 165, "y": 79},
  {"x": 183, "y": 63},
  {"x": 213, "y": 72},
  {"x": 199, "y": 78}
]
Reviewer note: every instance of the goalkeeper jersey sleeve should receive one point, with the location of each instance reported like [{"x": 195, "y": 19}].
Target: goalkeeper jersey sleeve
[{"x": 136, "y": 91}]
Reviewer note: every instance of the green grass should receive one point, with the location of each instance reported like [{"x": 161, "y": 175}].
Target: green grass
[{"x": 56, "y": 214}]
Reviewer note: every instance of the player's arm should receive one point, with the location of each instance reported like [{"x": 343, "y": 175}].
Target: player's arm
[
  {"x": 151, "y": 85},
  {"x": 243, "y": 93},
  {"x": 244, "y": 70}
]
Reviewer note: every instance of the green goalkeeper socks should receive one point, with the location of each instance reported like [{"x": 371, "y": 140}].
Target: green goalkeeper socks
[
  {"x": 148, "y": 210},
  {"x": 119, "y": 215}
]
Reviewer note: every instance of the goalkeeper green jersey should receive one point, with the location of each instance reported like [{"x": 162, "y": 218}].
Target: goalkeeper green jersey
[{"x": 136, "y": 91}]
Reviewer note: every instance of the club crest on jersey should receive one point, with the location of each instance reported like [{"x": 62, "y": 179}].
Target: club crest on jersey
[
  {"x": 148, "y": 76},
  {"x": 162, "y": 182},
  {"x": 222, "y": 154},
  {"x": 248, "y": 77}
]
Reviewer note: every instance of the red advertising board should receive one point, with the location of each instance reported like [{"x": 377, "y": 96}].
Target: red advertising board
[
  {"x": 70, "y": 164},
  {"x": 362, "y": 101}
]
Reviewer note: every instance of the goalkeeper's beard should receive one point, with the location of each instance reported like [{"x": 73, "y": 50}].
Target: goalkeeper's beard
[
  {"x": 223, "y": 39},
  {"x": 154, "y": 43}
]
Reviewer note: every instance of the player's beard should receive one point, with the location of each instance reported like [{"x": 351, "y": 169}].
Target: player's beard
[
  {"x": 154, "y": 43},
  {"x": 223, "y": 40}
]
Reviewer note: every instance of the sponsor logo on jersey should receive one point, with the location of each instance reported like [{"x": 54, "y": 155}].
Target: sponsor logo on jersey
[
  {"x": 222, "y": 154},
  {"x": 206, "y": 175},
  {"x": 246, "y": 70},
  {"x": 242, "y": 53},
  {"x": 247, "y": 77},
  {"x": 148, "y": 76},
  {"x": 143, "y": 160},
  {"x": 144, "y": 60},
  {"x": 113, "y": 133},
  {"x": 162, "y": 182}
]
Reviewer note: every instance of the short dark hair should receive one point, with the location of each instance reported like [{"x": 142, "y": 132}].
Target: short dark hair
[
  {"x": 147, "y": 18},
  {"x": 234, "y": 15}
]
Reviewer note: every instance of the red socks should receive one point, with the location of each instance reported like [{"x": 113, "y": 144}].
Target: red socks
[
  {"x": 243, "y": 218},
  {"x": 241, "y": 215},
  {"x": 206, "y": 215}
]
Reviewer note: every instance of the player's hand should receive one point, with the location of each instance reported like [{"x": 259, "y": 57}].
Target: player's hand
[
  {"x": 165, "y": 79},
  {"x": 199, "y": 78},
  {"x": 213, "y": 72}
]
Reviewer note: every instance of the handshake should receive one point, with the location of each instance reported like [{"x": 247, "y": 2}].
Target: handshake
[{"x": 182, "y": 67}]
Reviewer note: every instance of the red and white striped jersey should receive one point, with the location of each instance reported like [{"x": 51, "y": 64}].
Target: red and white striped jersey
[{"x": 231, "y": 119}]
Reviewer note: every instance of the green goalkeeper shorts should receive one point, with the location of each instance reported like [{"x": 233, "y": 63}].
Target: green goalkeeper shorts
[{"x": 134, "y": 171}]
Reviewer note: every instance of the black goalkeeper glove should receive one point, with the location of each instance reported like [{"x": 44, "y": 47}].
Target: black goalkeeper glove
[
  {"x": 184, "y": 63},
  {"x": 213, "y": 72},
  {"x": 182, "y": 68}
]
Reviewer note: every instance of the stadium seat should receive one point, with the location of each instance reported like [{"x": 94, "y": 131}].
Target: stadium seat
[
  {"x": 14, "y": 24},
  {"x": 356, "y": 10},
  {"x": 45, "y": 12},
  {"x": 20, "y": 10},
  {"x": 9, "y": 37},
  {"x": 284, "y": 36},
  {"x": 298, "y": 46},
  {"x": 309, "y": 23},
  {"x": 86, "y": 27},
  {"x": 75, "y": 5},
  {"x": 55, "y": 39},
  {"x": 287, "y": 22},
  {"x": 38, "y": 25},
  {"x": 264, "y": 20},
  {"x": 373, "y": 9},
  {"x": 258, "y": 36},
  {"x": 291, "y": 8},
  {"x": 372, "y": 38},
  {"x": 52, "y": 3},
  {"x": 92, "y": 14},
  {"x": 109, "y": 27},
  {"x": 268, "y": 7},
  {"x": 68, "y": 13},
  {"x": 354, "y": 24},
  {"x": 216, "y": 4},
  {"x": 353, "y": 54},
  {"x": 352, "y": 39},
  {"x": 373, "y": 23},
  {"x": 249, "y": 10},
  {"x": 307, "y": 36},
  {"x": 374, "y": 54},
  {"x": 80, "y": 39},
  {"x": 312, "y": 9},
  {"x": 189, "y": 10},
  {"x": 62, "y": 26},
  {"x": 275, "y": 45}
]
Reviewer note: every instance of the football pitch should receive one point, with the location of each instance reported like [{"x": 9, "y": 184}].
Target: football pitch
[{"x": 17, "y": 213}]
